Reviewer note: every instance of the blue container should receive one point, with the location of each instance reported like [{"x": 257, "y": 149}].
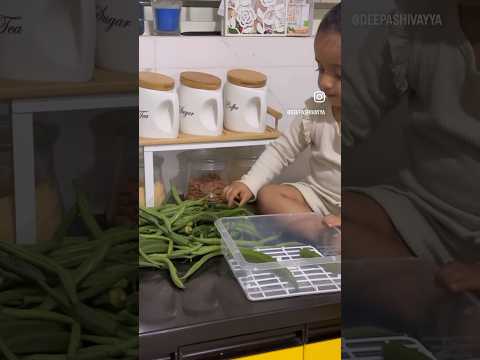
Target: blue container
[{"x": 167, "y": 20}]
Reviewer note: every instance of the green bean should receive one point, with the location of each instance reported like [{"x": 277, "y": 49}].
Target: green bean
[
  {"x": 253, "y": 256},
  {"x": 36, "y": 315},
  {"x": 170, "y": 247},
  {"x": 45, "y": 263},
  {"x": 308, "y": 253},
  {"x": 5, "y": 350},
  {"x": 206, "y": 249},
  {"x": 61, "y": 231},
  {"x": 93, "y": 262},
  {"x": 39, "y": 342},
  {"x": 111, "y": 274},
  {"x": 175, "y": 195},
  {"x": 167, "y": 223},
  {"x": 97, "y": 287},
  {"x": 15, "y": 294},
  {"x": 154, "y": 236},
  {"x": 100, "y": 340},
  {"x": 172, "y": 270},
  {"x": 101, "y": 352},
  {"x": 199, "y": 264},
  {"x": 16, "y": 327},
  {"x": 32, "y": 300},
  {"x": 178, "y": 214},
  {"x": 127, "y": 318},
  {"x": 182, "y": 253},
  {"x": 28, "y": 271},
  {"x": 179, "y": 239},
  {"x": 87, "y": 216},
  {"x": 96, "y": 321},
  {"x": 75, "y": 340},
  {"x": 152, "y": 219},
  {"x": 201, "y": 229},
  {"x": 148, "y": 229},
  {"x": 208, "y": 241},
  {"x": 155, "y": 248},
  {"x": 8, "y": 278}
]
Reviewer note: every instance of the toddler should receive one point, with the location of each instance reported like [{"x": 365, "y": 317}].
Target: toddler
[{"x": 318, "y": 129}]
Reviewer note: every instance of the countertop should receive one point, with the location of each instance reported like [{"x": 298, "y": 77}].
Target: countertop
[
  {"x": 103, "y": 82},
  {"x": 213, "y": 317}
]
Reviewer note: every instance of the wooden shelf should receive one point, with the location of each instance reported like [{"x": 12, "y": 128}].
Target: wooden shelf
[
  {"x": 227, "y": 136},
  {"x": 103, "y": 82}
]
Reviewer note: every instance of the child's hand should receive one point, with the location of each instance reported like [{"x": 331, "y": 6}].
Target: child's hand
[
  {"x": 459, "y": 277},
  {"x": 237, "y": 191},
  {"x": 332, "y": 220}
]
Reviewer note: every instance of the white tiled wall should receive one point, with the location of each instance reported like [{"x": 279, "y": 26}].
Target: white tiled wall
[{"x": 288, "y": 63}]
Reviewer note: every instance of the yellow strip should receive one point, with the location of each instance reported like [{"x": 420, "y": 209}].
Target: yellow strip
[
  {"x": 295, "y": 353},
  {"x": 324, "y": 350}
]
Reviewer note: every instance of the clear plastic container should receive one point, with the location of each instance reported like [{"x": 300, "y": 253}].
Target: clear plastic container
[
  {"x": 241, "y": 160},
  {"x": 206, "y": 177},
  {"x": 159, "y": 188},
  {"x": 166, "y": 16},
  {"x": 277, "y": 256},
  {"x": 49, "y": 210}
]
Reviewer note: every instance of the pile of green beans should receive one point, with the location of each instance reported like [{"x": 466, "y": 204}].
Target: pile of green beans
[
  {"x": 181, "y": 233},
  {"x": 71, "y": 298}
]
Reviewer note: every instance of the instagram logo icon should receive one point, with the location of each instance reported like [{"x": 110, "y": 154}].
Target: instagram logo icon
[{"x": 319, "y": 96}]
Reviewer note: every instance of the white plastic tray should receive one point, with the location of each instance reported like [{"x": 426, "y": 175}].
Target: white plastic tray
[
  {"x": 268, "y": 284},
  {"x": 372, "y": 348},
  {"x": 282, "y": 237}
]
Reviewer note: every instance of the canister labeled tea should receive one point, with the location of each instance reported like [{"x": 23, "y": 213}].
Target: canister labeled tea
[{"x": 158, "y": 106}]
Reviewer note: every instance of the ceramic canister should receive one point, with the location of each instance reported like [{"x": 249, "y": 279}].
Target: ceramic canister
[
  {"x": 49, "y": 40},
  {"x": 245, "y": 99},
  {"x": 201, "y": 104},
  {"x": 158, "y": 106},
  {"x": 117, "y": 23}
]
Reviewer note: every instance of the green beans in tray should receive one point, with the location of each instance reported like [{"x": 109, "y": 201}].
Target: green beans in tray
[
  {"x": 71, "y": 298},
  {"x": 181, "y": 235}
]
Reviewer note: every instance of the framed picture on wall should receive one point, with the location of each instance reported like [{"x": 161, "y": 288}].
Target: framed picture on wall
[{"x": 255, "y": 17}]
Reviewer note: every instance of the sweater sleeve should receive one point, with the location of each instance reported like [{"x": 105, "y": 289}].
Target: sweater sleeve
[{"x": 277, "y": 156}]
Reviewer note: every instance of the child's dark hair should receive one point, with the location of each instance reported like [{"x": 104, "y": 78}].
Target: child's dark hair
[{"x": 332, "y": 22}]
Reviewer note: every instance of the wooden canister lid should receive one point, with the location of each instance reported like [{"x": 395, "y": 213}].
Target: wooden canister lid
[
  {"x": 199, "y": 80},
  {"x": 247, "y": 78},
  {"x": 155, "y": 81}
]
